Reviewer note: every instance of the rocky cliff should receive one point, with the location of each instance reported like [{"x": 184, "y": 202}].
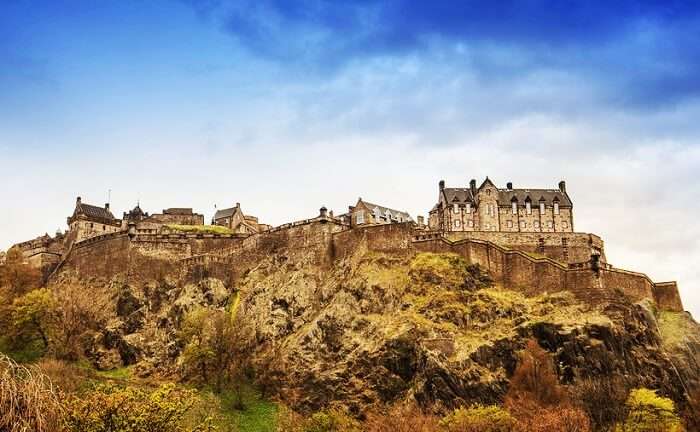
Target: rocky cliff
[{"x": 380, "y": 327}]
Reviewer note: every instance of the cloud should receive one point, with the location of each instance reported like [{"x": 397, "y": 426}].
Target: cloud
[{"x": 641, "y": 54}]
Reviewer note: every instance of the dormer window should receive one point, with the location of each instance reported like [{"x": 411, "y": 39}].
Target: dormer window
[
  {"x": 388, "y": 216},
  {"x": 455, "y": 208},
  {"x": 556, "y": 207},
  {"x": 541, "y": 207},
  {"x": 360, "y": 218},
  {"x": 528, "y": 207},
  {"x": 514, "y": 206},
  {"x": 469, "y": 207}
]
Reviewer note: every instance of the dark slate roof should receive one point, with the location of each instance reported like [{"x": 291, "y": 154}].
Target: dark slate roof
[
  {"x": 394, "y": 213},
  {"x": 220, "y": 214},
  {"x": 178, "y": 211},
  {"x": 94, "y": 212},
  {"x": 458, "y": 195},
  {"x": 505, "y": 196}
]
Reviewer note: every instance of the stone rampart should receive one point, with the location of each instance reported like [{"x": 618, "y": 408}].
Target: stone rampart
[{"x": 565, "y": 247}]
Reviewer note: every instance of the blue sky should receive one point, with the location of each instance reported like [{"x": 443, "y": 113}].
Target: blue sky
[{"x": 287, "y": 106}]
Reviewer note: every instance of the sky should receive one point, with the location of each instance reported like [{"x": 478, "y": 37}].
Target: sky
[{"x": 288, "y": 106}]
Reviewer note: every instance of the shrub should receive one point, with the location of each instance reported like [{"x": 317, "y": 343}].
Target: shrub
[
  {"x": 534, "y": 378},
  {"x": 31, "y": 316},
  {"x": 603, "y": 399},
  {"x": 129, "y": 409},
  {"x": 479, "y": 418},
  {"x": 649, "y": 412},
  {"x": 448, "y": 270},
  {"x": 28, "y": 400},
  {"x": 66, "y": 376},
  {"x": 332, "y": 420},
  {"x": 402, "y": 418}
]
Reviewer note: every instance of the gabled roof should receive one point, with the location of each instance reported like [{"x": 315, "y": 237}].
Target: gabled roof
[
  {"x": 224, "y": 213},
  {"x": 93, "y": 212},
  {"x": 486, "y": 182},
  {"x": 382, "y": 209},
  {"x": 548, "y": 196},
  {"x": 455, "y": 195}
]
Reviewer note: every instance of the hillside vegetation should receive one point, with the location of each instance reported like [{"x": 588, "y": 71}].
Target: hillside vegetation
[{"x": 375, "y": 342}]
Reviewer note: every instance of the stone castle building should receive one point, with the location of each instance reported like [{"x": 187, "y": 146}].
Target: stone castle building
[
  {"x": 365, "y": 213},
  {"x": 89, "y": 221},
  {"x": 234, "y": 219},
  {"x": 489, "y": 208}
]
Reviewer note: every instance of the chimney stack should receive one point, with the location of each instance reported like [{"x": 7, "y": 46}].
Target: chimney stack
[
  {"x": 562, "y": 186},
  {"x": 509, "y": 186},
  {"x": 442, "y": 184},
  {"x": 323, "y": 212},
  {"x": 472, "y": 186},
  {"x": 421, "y": 221},
  {"x": 77, "y": 201},
  {"x": 107, "y": 206}
]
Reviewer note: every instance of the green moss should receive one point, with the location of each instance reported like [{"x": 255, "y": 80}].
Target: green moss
[
  {"x": 199, "y": 229},
  {"x": 674, "y": 326},
  {"x": 121, "y": 374}
]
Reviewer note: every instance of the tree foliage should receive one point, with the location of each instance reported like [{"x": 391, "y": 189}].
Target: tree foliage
[
  {"x": 479, "y": 418},
  {"x": 130, "y": 409},
  {"x": 649, "y": 412}
]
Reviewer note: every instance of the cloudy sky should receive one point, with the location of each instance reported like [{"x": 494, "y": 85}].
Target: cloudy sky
[{"x": 286, "y": 108}]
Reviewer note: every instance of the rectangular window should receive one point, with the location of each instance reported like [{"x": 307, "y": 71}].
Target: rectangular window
[
  {"x": 456, "y": 208},
  {"x": 565, "y": 224},
  {"x": 470, "y": 223},
  {"x": 456, "y": 224},
  {"x": 360, "y": 218},
  {"x": 469, "y": 207},
  {"x": 541, "y": 208},
  {"x": 537, "y": 224},
  {"x": 515, "y": 207},
  {"x": 510, "y": 224},
  {"x": 528, "y": 207},
  {"x": 523, "y": 224},
  {"x": 556, "y": 208},
  {"x": 550, "y": 224}
]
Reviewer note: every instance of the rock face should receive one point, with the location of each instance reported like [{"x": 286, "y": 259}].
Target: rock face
[{"x": 375, "y": 328}]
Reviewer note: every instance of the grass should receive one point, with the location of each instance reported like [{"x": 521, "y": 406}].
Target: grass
[
  {"x": 259, "y": 415},
  {"x": 674, "y": 326},
  {"x": 121, "y": 374},
  {"x": 28, "y": 353},
  {"x": 200, "y": 229}
]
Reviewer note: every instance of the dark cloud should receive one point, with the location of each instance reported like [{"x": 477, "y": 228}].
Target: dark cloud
[{"x": 644, "y": 53}]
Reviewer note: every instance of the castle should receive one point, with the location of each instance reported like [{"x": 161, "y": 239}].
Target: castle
[{"x": 524, "y": 237}]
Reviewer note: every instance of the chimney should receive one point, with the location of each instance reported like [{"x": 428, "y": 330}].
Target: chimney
[
  {"x": 509, "y": 186},
  {"x": 472, "y": 185},
  {"x": 562, "y": 186},
  {"x": 442, "y": 184},
  {"x": 107, "y": 206},
  {"x": 330, "y": 213},
  {"x": 323, "y": 212},
  {"x": 238, "y": 205},
  {"x": 77, "y": 201},
  {"x": 421, "y": 221}
]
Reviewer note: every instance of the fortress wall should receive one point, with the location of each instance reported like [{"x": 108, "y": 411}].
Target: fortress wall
[
  {"x": 562, "y": 247},
  {"x": 667, "y": 296},
  {"x": 95, "y": 258},
  {"x": 394, "y": 238},
  {"x": 637, "y": 286}
]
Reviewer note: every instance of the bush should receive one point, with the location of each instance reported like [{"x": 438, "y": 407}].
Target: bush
[
  {"x": 28, "y": 400},
  {"x": 604, "y": 400},
  {"x": 408, "y": 418},
  {"x": 448, "y": 270},
  {"x": 332, "y": 420},
  {"x": 66, "y": 376},
  {"x": 111, "y": 409},
  {"x": 534, "y": 378},
  {"x": 649, "y": 412},
  {"x": 479, "y": 418}
]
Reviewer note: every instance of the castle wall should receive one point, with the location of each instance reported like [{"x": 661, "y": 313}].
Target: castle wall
[
  {"x": 667, "y": 296},
  {"x": 563, "y": 247}
]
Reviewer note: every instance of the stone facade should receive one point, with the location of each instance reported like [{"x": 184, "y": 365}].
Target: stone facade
[
  {"x": 365, "y": 213},
  {"x": 90, "y": 221},
  {"x": 237, "y": 221},
  {"x": 489, "y": 208}
]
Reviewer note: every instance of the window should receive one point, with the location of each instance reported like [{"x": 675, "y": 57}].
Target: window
[
  {"x": 360, "y": 218},
  {"x": 541, "y": 208},
  {"x": 510, "y": 224},
  {"x": 470, "y": 223},
  {"x": 550, "y": 224},
  {"x": 104, "y": 228},
  {"x": 456, "y": 208},
  {"x": 515, "y": 207},
  {"x": 456, "y": 224},
  {"x": 528, "y": 207},
  {"x": 469, "y": 207},
  {"x": 488, "y": 225},
  {"x": 556, "y": 208},
  {"x": 565, "y": 224},
  {"x": 377, "y": 214},
  {"x": 388, "y": 216},
  {"x": 537, "y": 224},
  {"x": 523, "y": 224}
]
